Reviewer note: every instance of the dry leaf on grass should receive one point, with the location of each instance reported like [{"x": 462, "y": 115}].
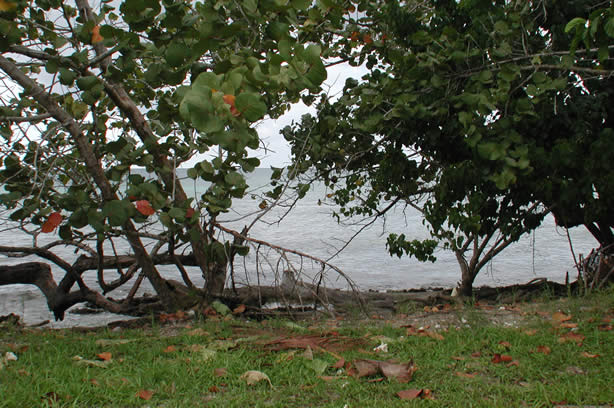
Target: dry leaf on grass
[
  {"x": 145, "y": 394},
  {"x": 543, "y": 349},
  {"x": 368, "y": 368},
  {"x": 252, "y": 377},
  {"x": 220, "y": 372},
  {"x": 422, "y": 393},
  {"x": 559, "y": 317},
  {"x": 501, "y": 358},
  {"x": 572, "y": 337},
  {"x": 465, "y": 375},
  {"x": 589, "y": 355}
]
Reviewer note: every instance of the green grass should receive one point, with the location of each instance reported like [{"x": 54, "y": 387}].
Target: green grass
[{"x": 46, "y": 374}]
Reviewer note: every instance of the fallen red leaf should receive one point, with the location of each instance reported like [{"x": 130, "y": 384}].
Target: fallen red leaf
[
  {"x": 214, "y": 389},
  {"x": 505, "y": 344},
  {"x": 339, "y": 364},
  {"x": 145, "y": 208},
  {"x": 589, "y": 355},
  {"x": 239, "y": 309},
  {"x": 476, "y": 354},
  {"x": 54, "y": 219},
  {"x": 145, "y": 394},
  {"x": 568, "y": 325},
  {"x": 170, "y": 349},
  {"x": 501, "y": 358},
  {"x": 513, "y": 363},
  {"x": 559, "y": 317},
  {"x": 543, "y": 349},
  {"x": 106, "y": 356}
]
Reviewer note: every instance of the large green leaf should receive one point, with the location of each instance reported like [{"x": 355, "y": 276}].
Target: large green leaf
[{"x": 250, "y": 105}]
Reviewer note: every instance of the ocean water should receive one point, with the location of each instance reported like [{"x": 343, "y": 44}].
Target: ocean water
[{"x": 310, "y": 229}]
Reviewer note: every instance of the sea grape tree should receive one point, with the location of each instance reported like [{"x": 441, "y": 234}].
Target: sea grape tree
[
  {"x": 88, "y": 94},
  {"x": 461, "y": 114}
]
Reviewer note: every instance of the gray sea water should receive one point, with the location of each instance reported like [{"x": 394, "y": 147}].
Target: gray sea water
[{"x": 309, "y": 228}]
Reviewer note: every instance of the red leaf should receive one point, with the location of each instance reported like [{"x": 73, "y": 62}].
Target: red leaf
[
  {"x": 106, "y": 356},
  {"x": 170, "y": 349},
  {"x": 145, "y": 208},
  {"x": 339, "y": 364},
  {"x": 96, "y": 37},
  {"x": 230, "y": 100},
  {"x": 189, "y": 212},
  {"x": 54, "y": 219},
  {"x": 501, "y": 358},
  {"x": 239, "y": 309},
  {"x": 505, "y": 344},
  {"x": 589, "y": 355},
  {"x": 145, "y": 394},
  {"x": 220, "y": 372},
  {"x": 559, "y": 317},
  {"x": 544, "y": 349}
]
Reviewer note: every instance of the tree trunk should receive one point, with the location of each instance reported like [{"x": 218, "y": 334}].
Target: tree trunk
[{"x": 468, "y": 273}]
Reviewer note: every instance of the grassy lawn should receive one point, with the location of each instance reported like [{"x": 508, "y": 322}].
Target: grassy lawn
[{"x": 557, "y": 352}]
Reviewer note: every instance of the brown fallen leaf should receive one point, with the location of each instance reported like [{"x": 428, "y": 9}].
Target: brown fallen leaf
[
  {"x": 145, "y": 394},
  {"x": 559, "y": 317},
  {"x": 589, "y": 355},
  {"x": 409, "y": 394},
  {"x": 476, "y": 354},
  {"x": 505, "y": 344},
  {"x": 458, "y": 358},
  {"x": 572, "y": 337},
  {"x": 252, "y": 377},
  {"x": 530, "y": 332},
  {"x": 339, "y": 364},
  {"x": 513, "y": 363},
  {"x": 401, "y": 372},
  {"x": 423, "y": 393},
  {"x": 214, "y": 389},
  {"x": 465, "y": 375},
  {"x": 197, "y": 332},
  {"x": 170, "y": 349},
  {"x": 568, "y": 325},
  {"x": 220, "y": 372}
]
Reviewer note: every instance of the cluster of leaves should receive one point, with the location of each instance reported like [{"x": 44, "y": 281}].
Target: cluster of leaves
[
  {"x": 456, "y": 116},
  {"x": 91, "y": 94}
]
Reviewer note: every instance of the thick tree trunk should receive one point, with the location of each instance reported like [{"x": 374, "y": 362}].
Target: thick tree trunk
[{"x": 39, "y": 274}]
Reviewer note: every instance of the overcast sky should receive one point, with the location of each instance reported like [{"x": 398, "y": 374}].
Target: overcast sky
[{"x": 278, "y": 153}]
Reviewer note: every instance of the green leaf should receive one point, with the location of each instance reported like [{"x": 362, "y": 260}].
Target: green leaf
[
  {"x": 234, "y": 179},
  {"x": 176, "y": 54},
  {"x": 609, "y": 27},
  {"x": 251, "y": 106},
  {"x": 87, "y": 82},
  {"x": 67, "y": 77},
  {"x": 576, "y": 22}
]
